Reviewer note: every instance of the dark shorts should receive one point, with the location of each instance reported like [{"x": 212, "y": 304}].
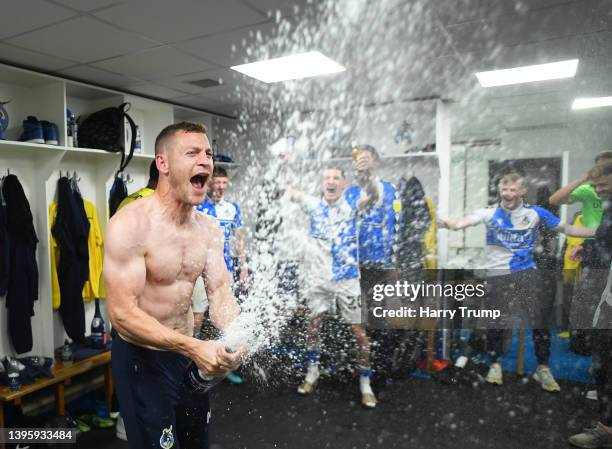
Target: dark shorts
[
  {"x": 157, "y": 408},
  {"x": 518, "y": 296}
]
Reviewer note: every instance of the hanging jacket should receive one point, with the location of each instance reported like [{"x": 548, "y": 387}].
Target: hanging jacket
[
  {"x": 94, "y": 287},
  {"x": 414, "y": 220},
  {"x": 22, "y": 288},
  {"x": 572, "y": 268},
  {"x": 71, "y": 231},
  {"x": 4, "y": 248},
  {"x": 118, "y": 193},
  {"x": 430, "y": 240}
]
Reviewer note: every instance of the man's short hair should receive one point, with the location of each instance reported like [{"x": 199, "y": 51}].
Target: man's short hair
[
  {"x": 370, "y": 149},
  {"x": 335, "y": 167},
  {"x": 219, "y": 172},
  {"x": 604, "y": 155},
  {"x": 510, "y": 178},
  {"x": 170, "y": 130},
  {"x": 598, "y": 171}
]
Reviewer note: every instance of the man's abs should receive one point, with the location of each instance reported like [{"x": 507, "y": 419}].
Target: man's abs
[{"x": 170, "y": 305}]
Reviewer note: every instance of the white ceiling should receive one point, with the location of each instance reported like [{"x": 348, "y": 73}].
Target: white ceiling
[{"x": 154, "y": 47}]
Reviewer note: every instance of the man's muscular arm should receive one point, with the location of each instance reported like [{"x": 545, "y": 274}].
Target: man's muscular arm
[
  {"x": 222, "y": 305},
  {"x": 125, "y": 278}
]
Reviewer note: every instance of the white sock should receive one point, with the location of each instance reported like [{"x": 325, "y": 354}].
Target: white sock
[
  {"x": 312, "y": 375},
  {"x": 364, "y": 385}
]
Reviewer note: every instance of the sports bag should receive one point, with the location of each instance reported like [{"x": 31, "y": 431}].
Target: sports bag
[{"x": 104, "y": 130}]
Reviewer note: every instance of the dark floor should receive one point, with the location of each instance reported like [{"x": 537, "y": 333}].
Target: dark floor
[{"x": 411, "y": 413}]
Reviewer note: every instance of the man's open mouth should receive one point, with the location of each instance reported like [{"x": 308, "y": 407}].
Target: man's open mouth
[{"x": 198, "y": 181}]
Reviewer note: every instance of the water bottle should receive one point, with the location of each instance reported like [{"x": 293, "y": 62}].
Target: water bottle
[
  {"x": 67, "y": 354},
  {"x": 98, "y": 331},
  {"x": 13, "y": 374},
  {"x": 138, "y": 141}
]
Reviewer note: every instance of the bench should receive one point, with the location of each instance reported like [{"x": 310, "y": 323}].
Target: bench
[{"x": 62, "y": 375}]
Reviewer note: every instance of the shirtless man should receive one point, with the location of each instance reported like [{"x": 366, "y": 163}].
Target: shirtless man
[{"x": 155, "y": 250}]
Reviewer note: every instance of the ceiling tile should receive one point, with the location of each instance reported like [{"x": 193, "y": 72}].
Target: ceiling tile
[
  {"x": 154, "y": 91},
  {"x": 593, "y": 86},
  {"x": 286, "y": 7},
  {"x": 96, "y": 76},
  {"x": 154, "y": 18},
  {"x": 227, "y": 49},
  {"x": 196, "y": 101},
  {"x": 489, "y": 9},
  {"x": 201, "y": 102},
  {"x": 89, "y": 5},
  {"x": 456, "y": 11},
  {"x": 228, "y": 78},
  {"x": 600, "y": 67},
  {"x": 595, "y": 45},
  {"x": 82, "y": 39},
  {"x": 156, "y": 63},
  {"x": 599, "y": 15},
  {"x": 564, "y": 85},
  {"x": 596, "y": 114},
  {"x": 550, "y": 23},
  {"x": 530, "y": 100},
  {"x": 182, "y": 84},
  {"x": 524, "y": 54},
  {"x": 535, "y": 116},
  {"x": 20, "y": 56},
  {"x": 473, "y": 37},
  {"x": 19, "y": 17}
]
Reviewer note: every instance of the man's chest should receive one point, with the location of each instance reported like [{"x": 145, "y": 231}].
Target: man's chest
[
  {"x": 516, "y": 230},
  {"x": 331, "y": 223},
  {"x": 175, "y": 257}
]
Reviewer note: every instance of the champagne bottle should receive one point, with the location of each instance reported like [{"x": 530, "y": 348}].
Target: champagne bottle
[
  {"x": 98, "y": 331},
  {"x": 13, "y": 374},
  {"x": 67, "y": 353},
  {"x": 198, "y": 381}
]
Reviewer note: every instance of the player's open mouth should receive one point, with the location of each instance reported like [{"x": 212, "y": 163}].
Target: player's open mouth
[
  {"x": 330, "y": 190},
  {"x": 198, "y": 181}
]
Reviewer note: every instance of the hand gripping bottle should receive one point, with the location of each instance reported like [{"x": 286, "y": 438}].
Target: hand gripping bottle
[{"x": 198, "y": 381}]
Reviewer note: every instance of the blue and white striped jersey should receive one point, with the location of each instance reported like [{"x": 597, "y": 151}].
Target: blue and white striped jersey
[
  {"x": 332, "y": 252},
  {"x": 376, "y": 225},
  {"x": 511, "y": 236},
  {"x": 229, "y": 218}
]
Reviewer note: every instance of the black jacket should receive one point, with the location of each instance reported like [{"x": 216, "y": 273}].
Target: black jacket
[
  {"x": 71, "y": 232},
  {"x": 414, "y": 221},
  {"x": 4, "y": 248},
  {"x": 22, "y": 288}
]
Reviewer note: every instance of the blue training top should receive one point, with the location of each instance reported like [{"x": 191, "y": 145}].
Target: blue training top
[
  {"x": 511, "y": 235},
  {"x": 229, "y": 218},
  {"x": 334, "y": 230},
  {"x": 376, "y": 225}
]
